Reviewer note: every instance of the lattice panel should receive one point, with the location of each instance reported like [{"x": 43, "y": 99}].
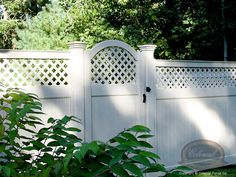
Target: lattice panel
[
  {"x": 199, "y": 77},
  {"x": 32, "y": 72},
  {"x": 113, "y": 65}
]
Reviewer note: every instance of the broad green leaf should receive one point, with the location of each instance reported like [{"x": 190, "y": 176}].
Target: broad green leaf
[
  {"x": 104, "y": 158},
  {"x": 84, "y": 149},
  {"x": 149, "y": 154},
  {"x": 129, "y": 136},
  {"x": 34, "y": 117},
  {"x": 139, "y": 129},
  {"x": 116, "y": 158},
  {"x": 155, "y": 168},
  {"x": 2, "y": 130},
  {"x": 43, "y": 130},
  {"x": 145, "y": 136},
  {"x": 53, "y": 143},
  {"x": 38, "y": 144},
  {"x": 66, "y": 119},
  {"x": 51, "y": 120},
  {"x": 184, "y": 168},
  {"x": 131, "y": 143},
  {"x": 75, "y": 119},
  {"x": 59, "y": 131},
  {"x": 37, "y": 112},
  {"x": 73, "y": 129},
  {"x": 72, "y": 137},
  {"x": 58, "y": 126},
  {"x": 47, "y": 149},
  {"x": 25, "y": 137},
  {"x": 132, "y": 168},
  {"x": 93, "y": 146},
  {"x": 124, "y": 147},
  {"x": 28, "y": 130},
  {"x": 33, "y": 123},
  {"x": 60, "y": 140},
  {"x": 145, "y": 144},
  {"x": 78, "y": 156},
  {"x": 66, "y": 160},
  {"x": 97, "y": 172},
  {"x": 119, "y": 170},
  {"x": 118, "y": 139},
  {"x": 94, "y": 165},
  {"x": 47, "y": 158},
  {"x": 12, "y": 135},
  {"x": 29, "y": 148},
  {"x": 142, "y": 160}
]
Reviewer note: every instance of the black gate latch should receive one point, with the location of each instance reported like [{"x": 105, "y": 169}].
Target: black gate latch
[{"x": 148, "y": 89}]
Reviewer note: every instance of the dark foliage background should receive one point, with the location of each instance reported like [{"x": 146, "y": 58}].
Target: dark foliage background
[{"x": 181, "y": 29}]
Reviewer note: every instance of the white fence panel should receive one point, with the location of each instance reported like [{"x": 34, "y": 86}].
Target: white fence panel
[
  {"x": 194, "y": 105},
  {"x": 45, "y": 73}
]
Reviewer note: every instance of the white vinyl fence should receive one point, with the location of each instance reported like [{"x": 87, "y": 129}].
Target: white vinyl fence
[{"x": 189, "y": 105}]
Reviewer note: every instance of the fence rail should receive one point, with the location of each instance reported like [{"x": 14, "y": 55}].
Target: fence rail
[{"x": 35, "y": 54}]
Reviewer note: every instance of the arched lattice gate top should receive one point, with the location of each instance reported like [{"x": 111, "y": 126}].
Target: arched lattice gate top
[{"x": 113, "y": 62}]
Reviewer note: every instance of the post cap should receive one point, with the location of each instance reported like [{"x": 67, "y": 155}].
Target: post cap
[
  {"x": 77, "y": 44},
  {"x": 147, "y": 47}
]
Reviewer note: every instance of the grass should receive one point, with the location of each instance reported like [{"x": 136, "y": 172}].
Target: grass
[{"x": 228, "y": 171}]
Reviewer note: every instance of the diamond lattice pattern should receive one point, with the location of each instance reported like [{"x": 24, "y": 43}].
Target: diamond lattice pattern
[
  {"x": 195, "y": 77},
  {"x": 32, "y": 72},
  {"x": 113, "y": 65}
]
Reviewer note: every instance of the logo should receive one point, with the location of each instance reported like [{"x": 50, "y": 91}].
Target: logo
[{"x": 202, "y": 154}]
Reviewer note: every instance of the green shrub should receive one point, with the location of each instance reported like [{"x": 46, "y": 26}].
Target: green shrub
[
  {"x": 56, "y": 150},
  {"x": 8, "y": 33}
]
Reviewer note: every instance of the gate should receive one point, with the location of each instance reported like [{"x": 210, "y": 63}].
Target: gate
[{"x": 113, "y": 94}]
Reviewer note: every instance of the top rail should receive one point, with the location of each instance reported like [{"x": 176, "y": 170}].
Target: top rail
[
  {"x": 35, "y": 54},
  {"x": 193, "y": 63}
]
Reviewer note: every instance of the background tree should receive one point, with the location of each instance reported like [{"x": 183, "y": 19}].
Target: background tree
[
  {"x": 181, "y": 29},
  {"x": 50, "y": 29},
  {"x": 15, "y": 12},
  {"x": 23, "y": 9}
]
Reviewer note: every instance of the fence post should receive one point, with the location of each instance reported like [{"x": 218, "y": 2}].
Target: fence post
[
  {"x": 147, "y": 54},
  {"x": 77, "y": 86}
]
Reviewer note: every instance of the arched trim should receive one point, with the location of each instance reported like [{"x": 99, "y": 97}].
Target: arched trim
[{"x": 110, "y": 43}]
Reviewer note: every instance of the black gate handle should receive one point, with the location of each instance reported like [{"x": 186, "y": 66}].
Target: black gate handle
[
  {"x": 144, "y": 98},
  {"x": 148, "y": 89}
]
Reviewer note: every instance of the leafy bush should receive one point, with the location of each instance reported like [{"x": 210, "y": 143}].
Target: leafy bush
[
  {"x": 55, "y": 150},
  {"x": 8, "y": 33}
]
